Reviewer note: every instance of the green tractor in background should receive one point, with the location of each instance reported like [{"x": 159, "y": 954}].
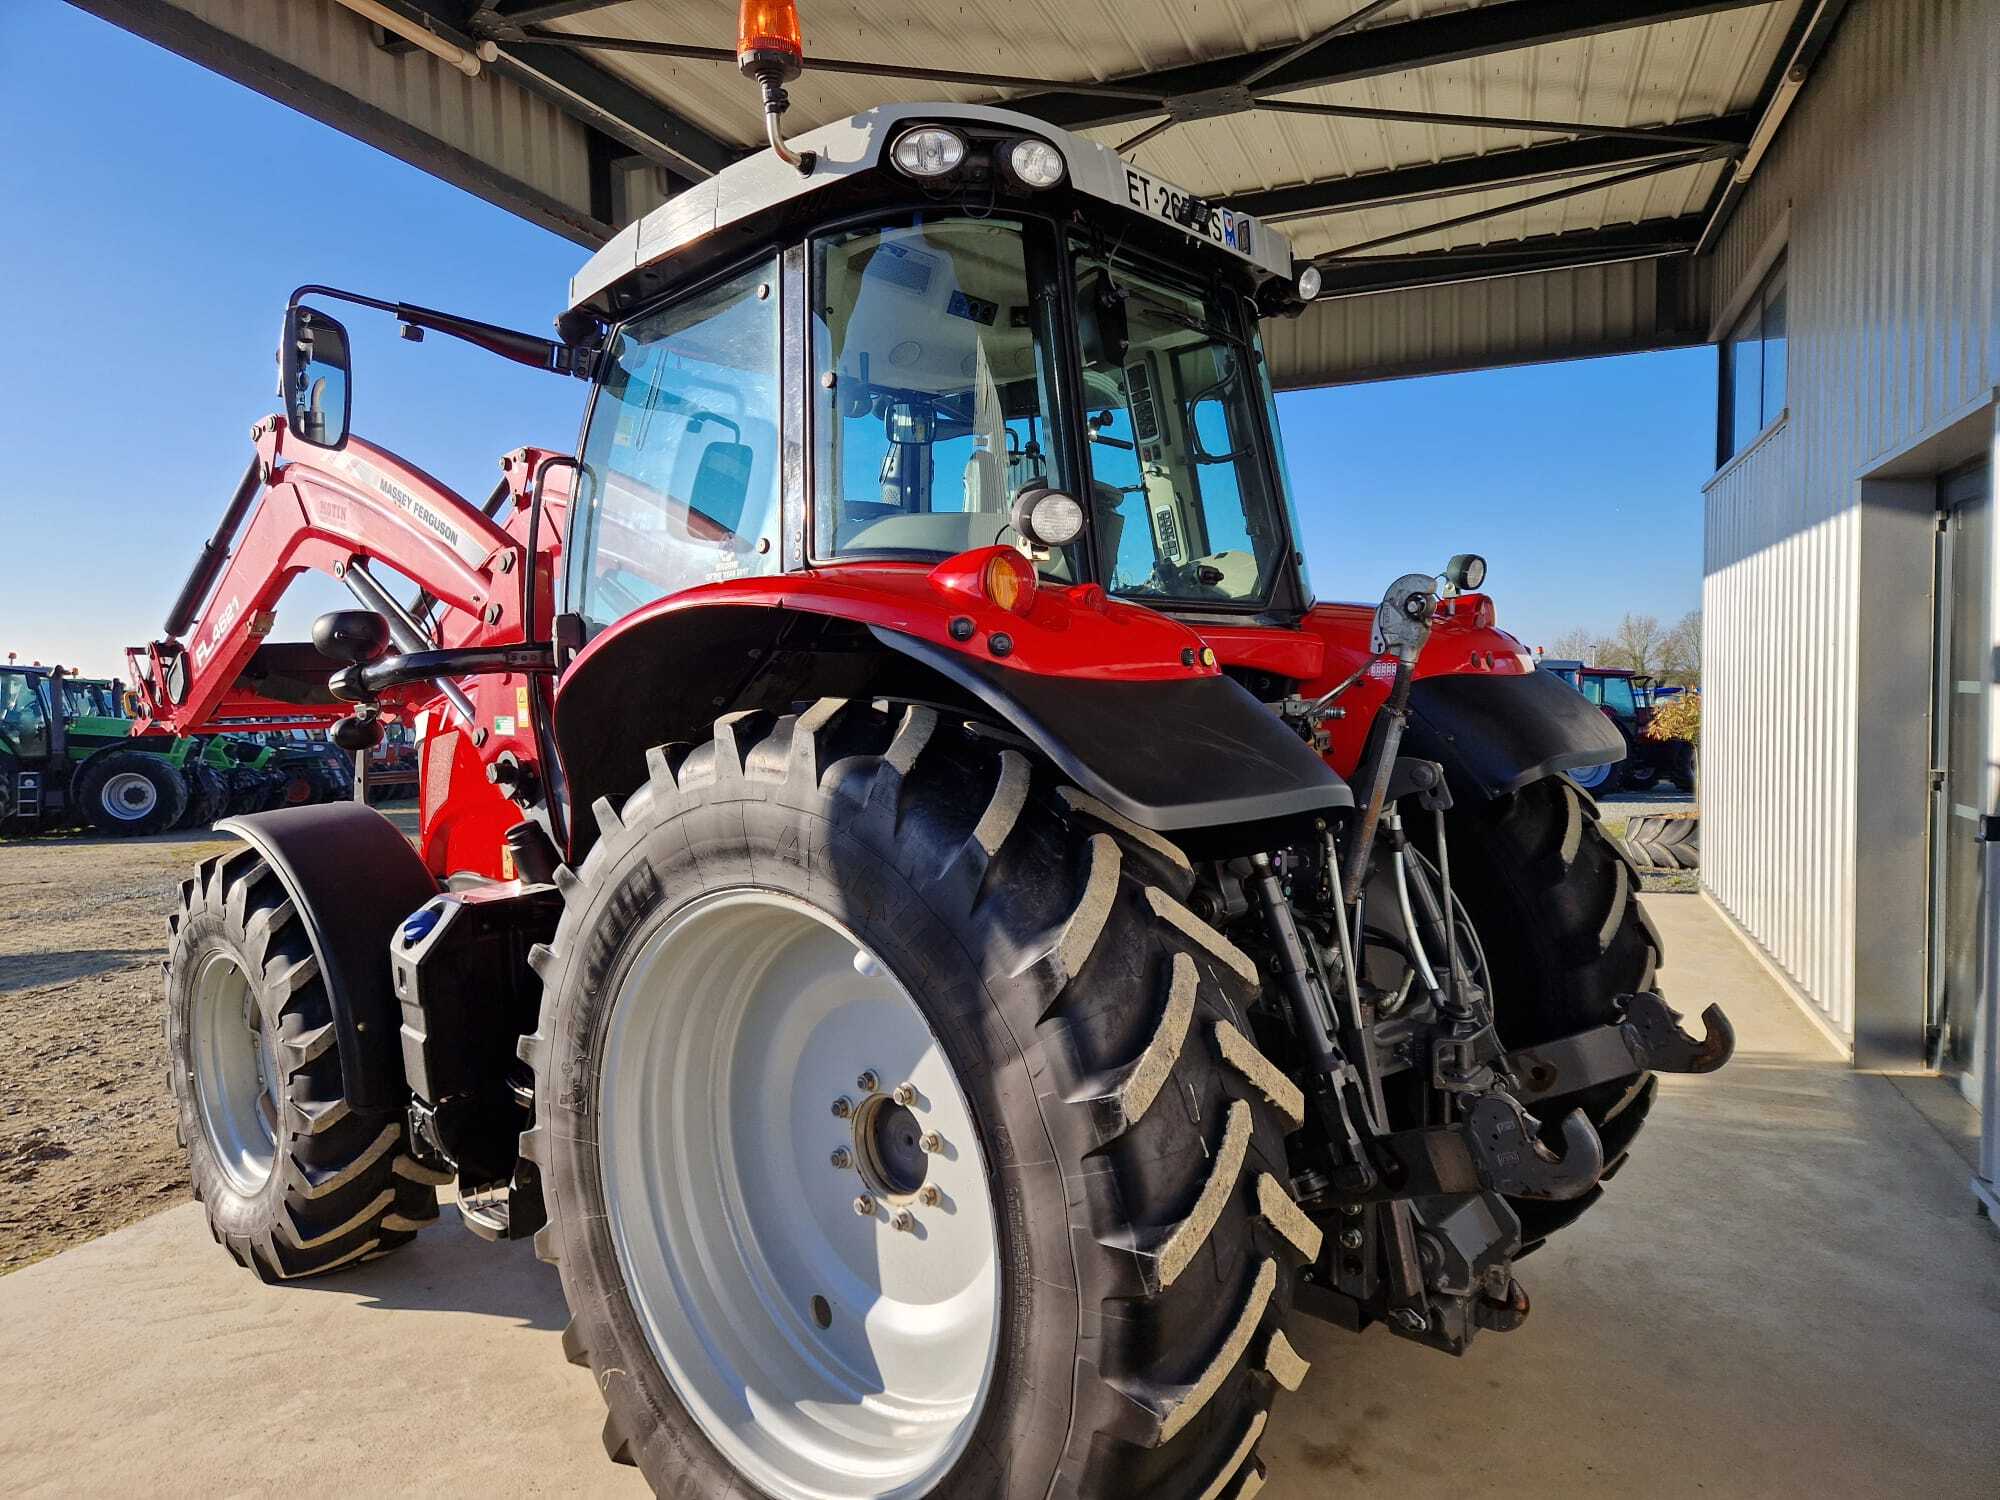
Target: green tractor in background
[{"x": 68, "y": 758}]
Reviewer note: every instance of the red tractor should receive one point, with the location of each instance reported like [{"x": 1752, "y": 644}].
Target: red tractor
[{"x": 918, "y": 911}]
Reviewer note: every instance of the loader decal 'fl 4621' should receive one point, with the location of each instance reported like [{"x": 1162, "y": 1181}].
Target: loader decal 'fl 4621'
[{"x": 918, "y": 910}]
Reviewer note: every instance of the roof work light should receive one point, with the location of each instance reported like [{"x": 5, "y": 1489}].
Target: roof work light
[{"x": 928, "y": 151}]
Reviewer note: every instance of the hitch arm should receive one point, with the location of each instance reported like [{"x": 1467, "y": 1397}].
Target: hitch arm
[
  {"x": 1646, "y": 1037},
  {"x": 1493, "y": 1149}
]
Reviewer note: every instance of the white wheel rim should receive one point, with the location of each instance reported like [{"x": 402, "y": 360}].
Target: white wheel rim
[
  {"x": 129, "y": 795},
  {"x": 235, "y": 1073},
  {"x": 824, "y": 1352}
]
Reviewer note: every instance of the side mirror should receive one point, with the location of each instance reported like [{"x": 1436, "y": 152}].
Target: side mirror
[
  {"x": 357, "y": 636},
  {"x": 313, "y": 377}
]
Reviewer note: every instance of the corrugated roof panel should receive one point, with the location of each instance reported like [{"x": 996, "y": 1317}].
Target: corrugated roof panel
[{"x": 1688, "y": 70}]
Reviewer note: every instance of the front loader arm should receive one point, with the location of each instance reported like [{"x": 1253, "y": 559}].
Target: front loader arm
[{"x": 326, "y": 510}]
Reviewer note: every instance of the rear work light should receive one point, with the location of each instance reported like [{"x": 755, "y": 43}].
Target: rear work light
[
  {"x": 1009, "y": 581},
  {"x": 1035, "y": 164},
  {"x": 928, "y": 151}
]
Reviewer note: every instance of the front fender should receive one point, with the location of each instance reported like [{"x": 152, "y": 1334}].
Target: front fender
[
  {"x": 352, "y": 877},
  {"x": 1495, "y": 734}
]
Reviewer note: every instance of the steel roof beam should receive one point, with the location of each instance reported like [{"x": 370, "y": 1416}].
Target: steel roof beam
[
  {"x": 1500, "y": 210},
  {"x": 1471, "y": 174},
  {"x": 585, "y": 90},
  {"x": 1449, "y": 37},
  {"x": 1650, "y": 240},
  {"x": 536, "y": 12}
]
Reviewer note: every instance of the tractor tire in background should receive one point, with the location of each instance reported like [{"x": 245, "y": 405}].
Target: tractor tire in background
[
  {"x": 1600, "y": 780},
  {"x": 855, "y": 900},
  {"x": 1664, "y": 841},
  {"x": 272, "y": 784},
  {"x": 208, "y": 795},
  {"x": 1639, "y": 776},
  {"x": 246, "y": 790},
  {"x": 1680, "y": 769},
  {"x": 1555, "y": 904},
  {"x": 294, "y": 1181},
  {"x": 127, "y": 792}
]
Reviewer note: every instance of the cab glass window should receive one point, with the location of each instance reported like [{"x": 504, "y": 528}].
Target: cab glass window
[
  {"x": 680, "y": 475},
  {"x": 24, "y": 719},
  {"x": 1181, "y": 486},
  {"x": 933, "y": 389}
]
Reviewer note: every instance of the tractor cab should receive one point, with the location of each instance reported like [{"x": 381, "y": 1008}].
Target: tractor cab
[{"x": 965, "y": 328}]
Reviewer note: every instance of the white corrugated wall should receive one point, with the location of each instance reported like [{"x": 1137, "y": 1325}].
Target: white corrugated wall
[{"x": 1889, "y": 168}]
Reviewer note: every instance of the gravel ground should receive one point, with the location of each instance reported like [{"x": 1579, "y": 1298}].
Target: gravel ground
[{"x": 86, "y": 1128}]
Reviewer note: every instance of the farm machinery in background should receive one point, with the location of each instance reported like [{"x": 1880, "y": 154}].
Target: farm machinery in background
[
  {"x": 1626, "y": 699},
  {"x": 69, "y": 759},
  {"x": 918, "y": 911}
]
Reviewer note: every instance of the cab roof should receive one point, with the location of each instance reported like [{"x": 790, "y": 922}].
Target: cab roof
[{"x": 858, "y": 144}]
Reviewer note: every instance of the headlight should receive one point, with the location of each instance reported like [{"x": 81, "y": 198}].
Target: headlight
[
  {"x": 928, "y": 151},
  {"x": 1046, "y": 517},
  {"x": 1035, "y": 164},
  {"x": 1309, "y": 283}
]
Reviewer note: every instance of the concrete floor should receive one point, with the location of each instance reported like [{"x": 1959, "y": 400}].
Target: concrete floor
[{"x": 1785, "y": 1293}]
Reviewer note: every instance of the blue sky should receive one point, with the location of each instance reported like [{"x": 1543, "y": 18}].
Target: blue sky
[{"x": 154, "y": 232}]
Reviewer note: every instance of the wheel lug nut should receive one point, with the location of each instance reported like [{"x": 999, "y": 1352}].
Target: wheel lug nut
[
  {"x": 904, "y": 1220},
  {"x": 842, "y": 1107},
  {"x": 864, "y": 1205},
  {"x": 1350, "y": 1239},
  {"x": 932, "y": 1142},
  {"x": 868, "y": 1082},
  {"x": 906, "y": 1094},
  {"x": 930, "y": 1195},
  {"x": 842, "y": 1158}
]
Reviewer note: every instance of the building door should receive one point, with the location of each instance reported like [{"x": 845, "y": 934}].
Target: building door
[{"x": 1963, "y": 793}]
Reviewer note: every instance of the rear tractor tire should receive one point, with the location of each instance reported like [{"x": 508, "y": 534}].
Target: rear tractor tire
[
  {"x": 950, "y": 1053},
  {"x": 128, "y": 792},
  {"x": 295, "y": 1181},
  {"x": 1555, "y": 904}
]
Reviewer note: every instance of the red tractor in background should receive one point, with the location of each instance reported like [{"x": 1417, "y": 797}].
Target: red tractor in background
[
  {"x": 930, "y": 925},
  {"x": 1625, "y": 698}
]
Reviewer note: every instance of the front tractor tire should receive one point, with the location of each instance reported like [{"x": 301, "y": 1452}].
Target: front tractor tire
[
  {"x": 128, "y": 792},
  {"x": 295, "y": 1181},
  {"x": 824, "y": 964}
]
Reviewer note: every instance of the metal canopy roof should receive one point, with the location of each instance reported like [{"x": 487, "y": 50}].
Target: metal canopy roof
[{"x": 1481, "y": 182}]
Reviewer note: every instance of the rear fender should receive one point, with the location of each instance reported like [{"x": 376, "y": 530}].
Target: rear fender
[
  {"x": 1496, "y": 734},
  {"x": 1118, "y": 697},
  {"x": 353, "y": 879},
  {"x": 1478, "y": 704}
]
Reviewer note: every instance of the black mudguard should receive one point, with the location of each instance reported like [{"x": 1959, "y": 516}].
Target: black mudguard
[
  {"x": 1191, "y": 756},
  {"x": 1197, "y": 758},
  {"x": 1496, "y": 734},
  {"x": 353, "y": 878}
]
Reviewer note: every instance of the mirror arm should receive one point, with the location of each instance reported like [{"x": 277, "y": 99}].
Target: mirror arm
[
  {"x": 362, "y": 684},
  {"x": 509, "y": 343}
]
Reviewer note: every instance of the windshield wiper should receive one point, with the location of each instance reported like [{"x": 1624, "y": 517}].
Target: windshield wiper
[{"x": 1188, "y": 320}]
